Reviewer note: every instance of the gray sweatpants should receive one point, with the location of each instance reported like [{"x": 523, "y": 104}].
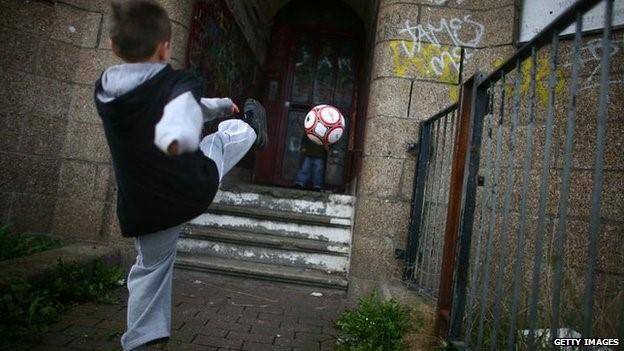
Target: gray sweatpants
[{"x": 150, "y": 278}]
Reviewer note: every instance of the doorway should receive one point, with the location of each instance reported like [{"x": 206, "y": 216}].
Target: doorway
[{"x": 313, "y": 59}]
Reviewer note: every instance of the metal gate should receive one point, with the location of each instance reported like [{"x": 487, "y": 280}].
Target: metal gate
[
  {"x": 431, "y": 189},
  {"x": 529, "y": 252}
]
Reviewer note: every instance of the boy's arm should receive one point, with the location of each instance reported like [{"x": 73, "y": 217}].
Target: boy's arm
[
  {"x": 213, "y": 108},
  {"x": 180, "y": 127}
]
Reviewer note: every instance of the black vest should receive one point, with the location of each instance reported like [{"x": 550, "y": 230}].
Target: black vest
[{"x": 155, "y": 191}]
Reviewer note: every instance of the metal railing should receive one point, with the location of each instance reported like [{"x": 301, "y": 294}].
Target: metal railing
[
  {"x": 430, "y": 197},
  {"x": 529, "y": 253}
]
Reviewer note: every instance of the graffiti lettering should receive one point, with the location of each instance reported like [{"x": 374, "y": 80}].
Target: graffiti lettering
[
  {"x": 454, "y": 27},
  {"x": 591, "y": 54},
  {"x": 423, "y": 52}
]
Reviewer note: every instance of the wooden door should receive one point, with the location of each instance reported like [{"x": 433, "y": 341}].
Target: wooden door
[{"x": 307, "y": 68}]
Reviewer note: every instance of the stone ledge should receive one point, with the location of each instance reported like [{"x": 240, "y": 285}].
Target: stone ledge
[{"x": 39, "y": 265}]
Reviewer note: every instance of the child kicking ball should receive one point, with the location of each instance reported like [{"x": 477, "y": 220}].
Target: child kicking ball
[{"x": 166, "y": 174}]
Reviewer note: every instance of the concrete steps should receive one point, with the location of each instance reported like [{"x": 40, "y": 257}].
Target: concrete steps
[
  {"x": 260, "y": 271},
  {"x": 250, "y": 246},
  {"x": 283, "y": 224},
  {"x": 288, "y": 200},
  {"x": 264, "y": 240},
  {"x": 270, "y": 233}
]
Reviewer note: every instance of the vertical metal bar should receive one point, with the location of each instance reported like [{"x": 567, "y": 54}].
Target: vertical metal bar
[
  {"x": 474, "y": 276},
  {"x": 460, "y": 152},
  {"x": 528, "y": 153},
  {"x": 543, "y": 197},
  {"x": 430, "y": 234},
  {"x": 491, "y": 225},
  {"x": 470, "y": 183},
  {"x": 417, "y": 201},
  {"x": 445, "y": 185},
  {"x": 504, "y": 233},
  {"x": 565, "y": 182},
  {"x": 436, "y": 218},
  {"x": 445, "y": 192},
  {"x": 594, "y": 224},
  {"x": 426, "y": 238}
]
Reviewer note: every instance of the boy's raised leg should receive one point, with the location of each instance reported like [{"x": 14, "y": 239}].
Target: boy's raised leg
[{"x": 235, "y": 137}]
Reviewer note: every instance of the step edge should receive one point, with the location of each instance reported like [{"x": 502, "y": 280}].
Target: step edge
[
  {"x": 221, "y": 235},
  {"x": 280, "y": 216},
  {"x": 199, "y": 221},
  {"x": 285, "y": 193},
  {"x": 339, "y": 263},
  {"x": 334, "y": 281}
]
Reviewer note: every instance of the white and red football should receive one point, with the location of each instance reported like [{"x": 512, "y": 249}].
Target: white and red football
[{"x": 324, "y": 124}]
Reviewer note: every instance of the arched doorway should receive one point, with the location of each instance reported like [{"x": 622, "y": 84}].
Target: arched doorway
[{"x": 314, "y": 58}]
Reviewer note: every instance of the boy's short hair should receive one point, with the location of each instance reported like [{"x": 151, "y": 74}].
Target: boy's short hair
[{"x": 137, "y": 27}]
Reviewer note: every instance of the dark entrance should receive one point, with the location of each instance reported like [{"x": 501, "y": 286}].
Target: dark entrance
[{"x": 313, "y": 60}]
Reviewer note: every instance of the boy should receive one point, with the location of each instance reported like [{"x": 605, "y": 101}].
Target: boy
[
  {"x": 166, "y": 175},
  {"x": 312, "y": 168}
]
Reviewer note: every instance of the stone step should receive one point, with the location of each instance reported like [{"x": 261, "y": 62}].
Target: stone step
[
  {"x": 278, "y": 215},
  {"x": 328, "y": 263},
  {"x": 263, "y": 271},
  {"x": 264, "y": 240},
  {"x": 287, "y": 200},
  {"x": 241, "y": 219},
  {"x": 242, "y": 249}
]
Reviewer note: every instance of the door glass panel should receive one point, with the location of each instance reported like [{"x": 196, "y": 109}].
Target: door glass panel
[
  {"x": 337, "y": 156},
  {"x": 294, "y": 134},
  {"x": 303, "y": 73},
  {"x": 345, "y": 76},
  {"x": 325, "y": 67}
]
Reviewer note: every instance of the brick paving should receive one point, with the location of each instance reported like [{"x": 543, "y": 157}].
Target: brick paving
[{"x": 215, "y": 312}]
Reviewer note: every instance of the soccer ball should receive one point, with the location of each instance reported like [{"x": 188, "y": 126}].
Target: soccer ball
[{"x": 324, "y": 124}]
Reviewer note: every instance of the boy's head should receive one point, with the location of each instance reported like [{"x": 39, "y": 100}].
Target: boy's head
[{"x": 140, "y": 31}]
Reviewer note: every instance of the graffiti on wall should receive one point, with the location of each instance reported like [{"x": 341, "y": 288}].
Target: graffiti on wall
[
  {"x": 219, "y": 52},
  {"x": 590, "y": 56},
  {"x": 422, "y": 52}
]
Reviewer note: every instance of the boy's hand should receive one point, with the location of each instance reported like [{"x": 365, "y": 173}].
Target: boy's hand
[
  {"x": 235, "y": 109},
  {"x": 172, "y": 150}
]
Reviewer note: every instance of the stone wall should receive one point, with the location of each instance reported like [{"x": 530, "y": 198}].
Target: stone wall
[
  {"x": 54, "y": 160},
  {"x": 416, "y": 73}
]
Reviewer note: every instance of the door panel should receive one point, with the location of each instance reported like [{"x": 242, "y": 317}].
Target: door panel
[
  {"x": 292, "y": 155},
  {"x": 343, "y": 97},
  {"x": 303, "y": 74},
  {"x": 345, "y": 76},
  {"x": 324, "y": 77}
]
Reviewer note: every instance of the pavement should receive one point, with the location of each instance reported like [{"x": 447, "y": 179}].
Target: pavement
[{"x": 215, "y": 312}]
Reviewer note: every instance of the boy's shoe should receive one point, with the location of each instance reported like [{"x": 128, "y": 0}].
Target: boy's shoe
[{"x": 255, "y": 116}]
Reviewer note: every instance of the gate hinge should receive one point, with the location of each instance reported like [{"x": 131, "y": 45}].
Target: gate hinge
[
  {"x": 480, "y": 180},
  {"x": 399, "y": 254},
  {"x": 412, "y": 148}
]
